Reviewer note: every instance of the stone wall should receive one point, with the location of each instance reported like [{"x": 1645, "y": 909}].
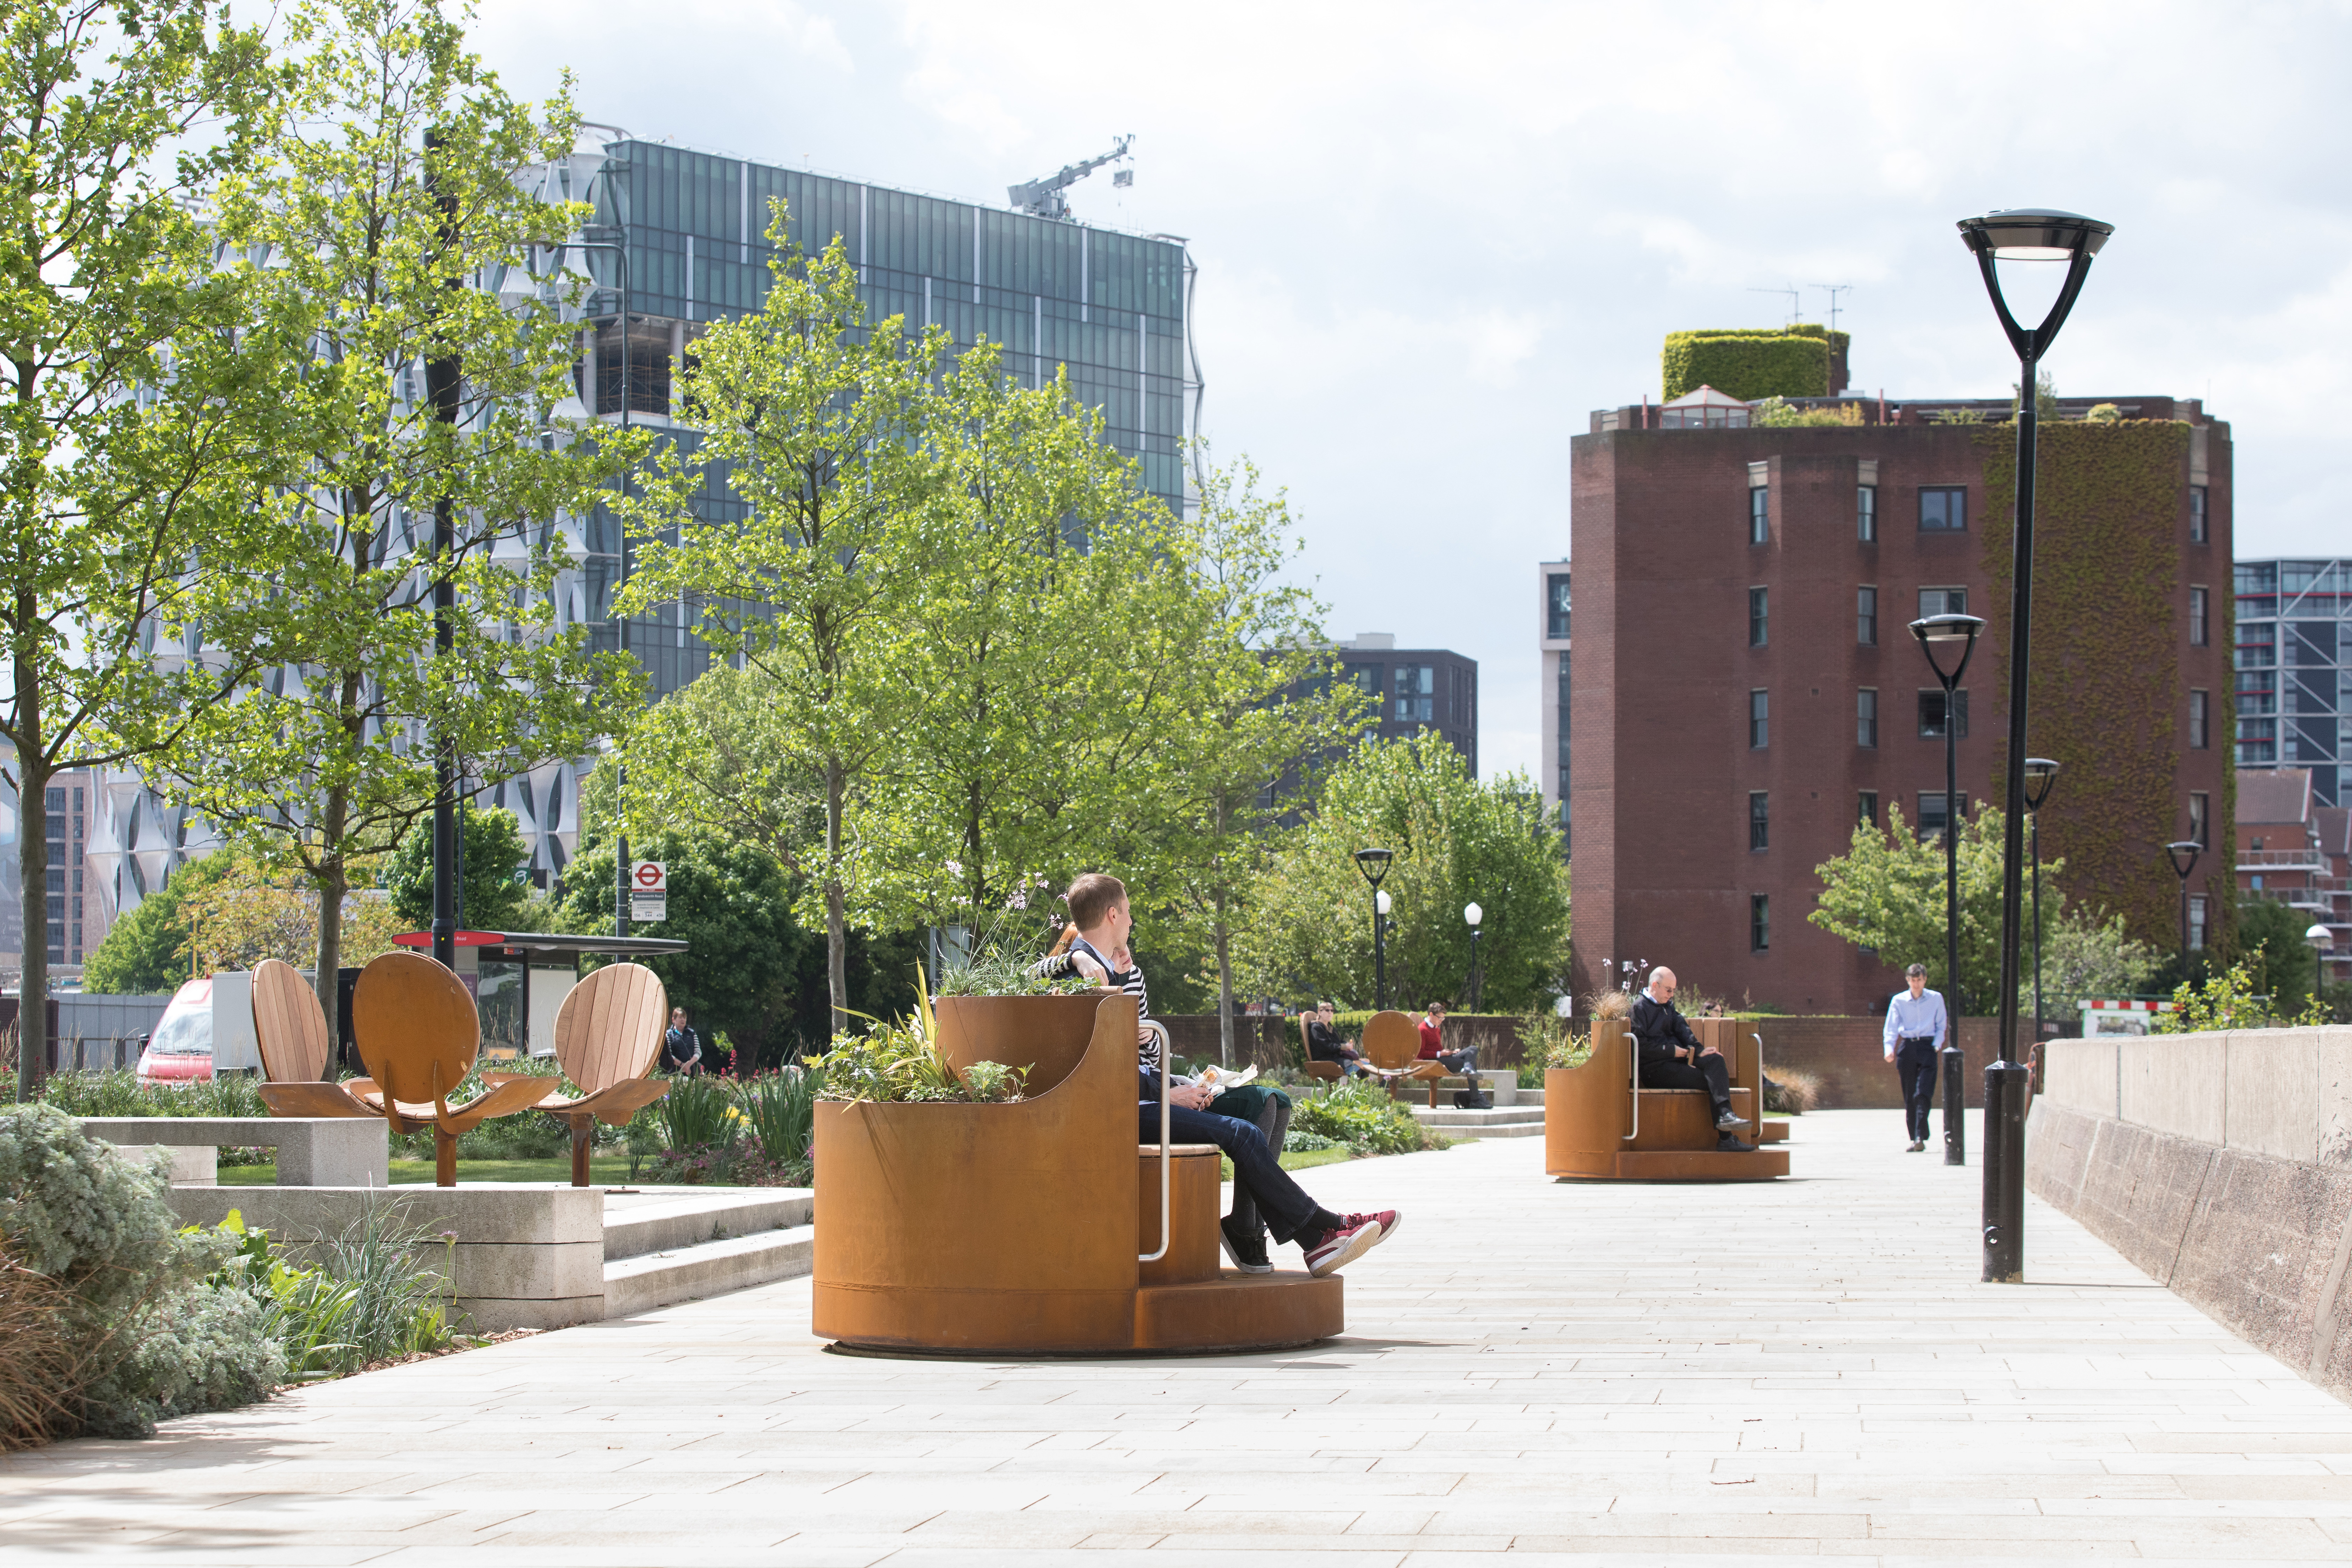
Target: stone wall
[{"x": 2221, "y": 1165}]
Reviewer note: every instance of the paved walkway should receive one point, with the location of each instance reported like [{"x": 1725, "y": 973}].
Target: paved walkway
[{"x": 1612, "y": 1374}]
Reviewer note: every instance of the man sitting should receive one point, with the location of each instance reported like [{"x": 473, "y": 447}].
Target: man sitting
[
  {"x": 1432, "y": 1048},
  {"x": 1324, "y": 1043},
  {"x": 1671, "y": 1058},
  {"x": 1099, "y": 909}
]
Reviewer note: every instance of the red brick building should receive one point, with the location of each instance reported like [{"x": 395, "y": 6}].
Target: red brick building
[{"x": 1744, "y": 689}]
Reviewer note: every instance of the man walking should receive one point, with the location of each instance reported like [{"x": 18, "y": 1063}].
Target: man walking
[
  {"x": 1916, "y": 1030},
  {"x": 1671, "y": 1058}
]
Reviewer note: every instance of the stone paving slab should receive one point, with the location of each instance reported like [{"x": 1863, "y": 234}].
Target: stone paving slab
[{"x": 1572, "y": 1375}]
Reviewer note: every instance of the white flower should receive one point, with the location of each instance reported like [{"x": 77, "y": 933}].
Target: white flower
[
  {"x": 955, "y": 867},
  {"x": 1017, "y": 902}
]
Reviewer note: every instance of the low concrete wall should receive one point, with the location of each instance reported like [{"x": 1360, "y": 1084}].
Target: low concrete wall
[
  {"x": 312, "y": 1151},
  {"x": 2221, "y": 1165},
  {"x": 1847, "y": 1053}
]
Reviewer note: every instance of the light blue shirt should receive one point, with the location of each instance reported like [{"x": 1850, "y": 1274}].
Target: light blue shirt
[{"x": 1907, "y": 1020}]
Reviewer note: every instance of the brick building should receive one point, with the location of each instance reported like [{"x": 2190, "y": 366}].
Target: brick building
[
  {"x": 1745, "y": 689},
  {"x": 2296, "y": 851}
]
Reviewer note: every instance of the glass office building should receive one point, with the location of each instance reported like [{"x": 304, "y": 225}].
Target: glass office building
[
  {"x": 2294, "y": 671},
  {"x": 682, "y": 236}
]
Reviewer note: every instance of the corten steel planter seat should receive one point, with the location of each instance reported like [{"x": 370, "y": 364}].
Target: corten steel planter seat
[
  {"x": 607, "y": 1034},
  {"x": 1021, "y": 1229},
  {"x": 1599, "y": 1127},
  {"x": 1393, "y": 1044}
]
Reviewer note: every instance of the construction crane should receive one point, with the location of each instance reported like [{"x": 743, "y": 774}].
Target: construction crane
[{"x": 1042, "y": 198}]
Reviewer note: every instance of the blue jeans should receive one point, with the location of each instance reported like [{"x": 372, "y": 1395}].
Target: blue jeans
[{"x": 1286, "y": 1208}]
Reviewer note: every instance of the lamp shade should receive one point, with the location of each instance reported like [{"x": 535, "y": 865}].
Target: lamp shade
[
  {"x": 2041, "y": 772},
  {"x": 2320, "y": 937},
  {"x": 1473, "y": 914},
  {"x": 2034, "y": 234},
  {"x": 1381, "y": 902},
  {"x": 2184, "y": 853},
  {"x": 1947, "y": 629},
  {"x": 1373, "y": 864}
]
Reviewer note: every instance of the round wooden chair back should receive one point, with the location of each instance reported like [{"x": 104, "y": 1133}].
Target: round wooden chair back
[
  {"x": 416, "y": 1027},
  {"x": 288, "y": 1025},
  {"x": 1391, "y": 1041},
  {"x": 609, "y": 1028}
]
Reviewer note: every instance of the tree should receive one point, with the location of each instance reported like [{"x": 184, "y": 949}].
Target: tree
[
  {"x": 714, "y": 757},
  {"x": 148, "y": 951},
  {"x": 1455, "y": 841},
  {"x": 2269, "y": 941},
  {"x": 391, "y": 183},
  {"x": 1886, "y": 892},
  {"x": 2083, "y": 955},
  {"x": 492, "y": 893},
  {"x": 254, "y": 911},
  {"x": 126, "y": 442},
  {"x": 814, "y": 416}
]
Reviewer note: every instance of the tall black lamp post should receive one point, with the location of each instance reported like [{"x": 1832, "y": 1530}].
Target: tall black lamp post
[
  {"x": 2024, "y": 235},
  {"x": 1949, "y": 641},
  {"x": 1473, "y": 914},
  {"x": 1374, "y": 865},
  {"x": 2041, "y": 774},
  {"x": 2183, "y": 853}
]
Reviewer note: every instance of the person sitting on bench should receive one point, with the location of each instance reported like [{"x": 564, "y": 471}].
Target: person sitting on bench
[
  {"x": 1098, "y": 911},
  {"x": 1324, "y": 1043},
  {"x": 1432, "y": 1049},
  {"x": 1672, "y": 1058}
]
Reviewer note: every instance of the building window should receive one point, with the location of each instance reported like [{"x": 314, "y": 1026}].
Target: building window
[
  {"x": 1865, "y": 514},
  {"x": 1760, "y": 820},
  {"x": 1943, "y": 602},
  {"x": 1865, "y": 616},
  {"x": 1931, "y": 714},
  {"x": 1944, "y": 510},
  {"x": 2199, "y": 631},
  {"x": 1866, "y": 717},
  {"x": 2201, "y": 734},
  {"x": 1416, "y": 693},
  {"x": 1865, "y": 809},
  {"x": 1760, "y": 922},
  {"x": 1759, "y": 719},
  {"x": 2196, "y": 922},
  {"x": 1555, "y": 602},
  {"x": 1931, "y": 813},
  {"x": 2198, "y": 816},
  {"x": 1760, "y": 516},
  {"x": 1759, "y": 617},
  {"x": 2197, "y": 504}
]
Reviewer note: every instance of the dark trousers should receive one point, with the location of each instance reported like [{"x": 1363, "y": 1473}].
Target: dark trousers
[
  {"x": 1273, "y": 1126},
  {"x": 1284, "y": 1203},
  {"x": 1464, "y": 1061},
  {"x": 1712, "y": 1074},
  {"x": 1915, "y": 1064}
]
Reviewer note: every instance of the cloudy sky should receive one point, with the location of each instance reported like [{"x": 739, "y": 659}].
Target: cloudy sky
[{"x": 1432, "y": 239}]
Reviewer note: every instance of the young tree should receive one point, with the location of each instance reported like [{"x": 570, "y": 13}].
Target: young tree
[
  {"x": 385, "y": 231},
  {"x": 714, "y": 757},
  {"x": 814, "y": 415},
  {"x": 127, "y": 445},
  {"x": 491, "y": 892}
]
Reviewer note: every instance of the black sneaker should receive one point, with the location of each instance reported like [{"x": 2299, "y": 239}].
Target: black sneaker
[
  {"x": 1730, "y": 1144},
  {"x": 1246, "y": 1252}
]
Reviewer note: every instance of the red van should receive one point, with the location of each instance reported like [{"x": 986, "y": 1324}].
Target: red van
[{"x": 180, "y": 1048}]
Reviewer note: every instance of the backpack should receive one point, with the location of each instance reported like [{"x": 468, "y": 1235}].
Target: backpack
[{"x": 1472, "y": 1099}]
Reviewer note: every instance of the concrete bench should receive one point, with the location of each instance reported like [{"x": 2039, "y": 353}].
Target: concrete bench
[{"x": 313, "y": 1151}]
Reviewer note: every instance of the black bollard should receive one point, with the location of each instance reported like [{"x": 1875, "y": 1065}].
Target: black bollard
[
  {"x": 2005, "y": 1096},
  {"x": 1956, "y": 1122}
]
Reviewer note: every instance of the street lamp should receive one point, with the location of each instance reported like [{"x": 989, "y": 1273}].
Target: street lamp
[
  {"x": 1473, "y": 914},
  {"x": 2022, "y": 234},
  {"x": 2041, "y": 774},
  {"x": 1374, "y": 865},
  {"x": 1950, "y": 640},
  {"x": 2183, "y": 853}
]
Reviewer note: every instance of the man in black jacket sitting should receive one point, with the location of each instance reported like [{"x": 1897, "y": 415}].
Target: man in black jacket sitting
[{"x": 1671, "y": 1058}]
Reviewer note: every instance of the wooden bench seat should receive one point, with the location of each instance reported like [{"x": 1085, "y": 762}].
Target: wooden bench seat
[{"x": 1597, "y": 1127}]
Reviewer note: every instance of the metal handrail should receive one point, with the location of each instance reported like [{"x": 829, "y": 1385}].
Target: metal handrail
[
  {"x": 1166, "y": 1156},
  {"x": 1633, "y": 1058}
]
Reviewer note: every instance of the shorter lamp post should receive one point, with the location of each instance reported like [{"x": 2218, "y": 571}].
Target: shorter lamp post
[
  {"x": 1374, "y": 865},
  {"x": 1951, "y": 639},
  {"x": 1473, "y": 914},
  {"x": 2323, "y": 943},
  {"x": 2183, "y": 853},
  {"x": 2041, "y": 774}
]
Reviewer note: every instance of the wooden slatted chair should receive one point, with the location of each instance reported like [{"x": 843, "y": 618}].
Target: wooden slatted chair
[
  {"x": 1393, "y": 1044},
  {"x": 1329, "y": 1072},
  {"x": 608, "y": 1035},
  {"x": 417, "y": 1031},
  {"x": 291, "y": 1030}
]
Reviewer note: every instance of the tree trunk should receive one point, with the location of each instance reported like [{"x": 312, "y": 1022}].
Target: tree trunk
[
  {"x": 33, "y": 866},
  {"x": 837, "y": 924},
  {"x": 331, "y": 883},
  {"x": 1224, "y": 985}
]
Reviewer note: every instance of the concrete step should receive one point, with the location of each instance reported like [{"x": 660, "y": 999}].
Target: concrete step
[
  {"x": 665, "y": 1219},
  {"x": 654, "y": 1279},
  {"x": 1511, "y": 1121}
]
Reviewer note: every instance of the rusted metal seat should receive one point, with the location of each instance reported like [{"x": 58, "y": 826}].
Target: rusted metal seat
[{"x": 1600, "y": 1124}]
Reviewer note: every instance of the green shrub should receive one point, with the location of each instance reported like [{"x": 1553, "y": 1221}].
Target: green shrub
[
  {"x": 1296, "y": 1142},
  {"x": 1361, "y": 1115},
  {"x": 1746, "y": 364},
  {"x": 117, "y": 1092},
  {"x": 780, "y": 1112},
  {"x": 699, "y": 1112}
]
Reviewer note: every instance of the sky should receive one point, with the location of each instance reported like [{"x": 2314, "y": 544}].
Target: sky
[{"x": 1433, "y": 239}]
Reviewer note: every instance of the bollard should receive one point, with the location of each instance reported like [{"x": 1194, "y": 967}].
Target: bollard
[
  {"x": 1956, "y": 1122},
  {"x": 2005, "y": 1096}
]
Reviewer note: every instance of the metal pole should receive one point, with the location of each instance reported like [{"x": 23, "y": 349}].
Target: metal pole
[
  {"x": 2005, "y": 1080},
  {"x": 1474, "y": 969},
  {"x": 620, "y": 249},
  {"x": 443, "y": 379},
  {"x": 1956, "y": 1126},
  {"x": 1381, "y": 954},
  {"x": 2037, "y": 931}
]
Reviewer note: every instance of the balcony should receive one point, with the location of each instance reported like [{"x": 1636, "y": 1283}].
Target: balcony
[{"x": 2301, "y": 859}]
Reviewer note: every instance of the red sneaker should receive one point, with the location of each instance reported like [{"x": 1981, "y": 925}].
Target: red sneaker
[
  {"x": 1387, "y": 1219},
  {"x": 1341, "y": 1247}
]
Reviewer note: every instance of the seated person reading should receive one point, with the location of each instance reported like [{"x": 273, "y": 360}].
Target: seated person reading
[
  {"x": 1100, "y": 922},
  {"x": 1671, "y": 1058},
  {"x": 1432, "y": 1046},
  {"x": 1324, "y": 1043}
]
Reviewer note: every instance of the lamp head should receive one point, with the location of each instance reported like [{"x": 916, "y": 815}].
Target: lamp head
[
  {"x": 1373, "y": 864},
  {"x": 1473, "y": 914},
  {"x": 1381, "y": 902},
  {"x": 2034, "y": 234},
  {"x": 2184, "y": 853},
  {"x": 2320, "y": 937},
  {"x": 1952, "y": 637},
  {"x": 2041, "y": 772}
]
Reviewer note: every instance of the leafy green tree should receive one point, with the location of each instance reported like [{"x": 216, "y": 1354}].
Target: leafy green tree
[
  {"x": 128, "y": 442},
  {"x": 1455, "y": 841},
  {"x": 814, "y": 415},
  {"x": 714, "y": 757},
  {"x": 2082, "y": 955},
  {"x": 148, "y": 951},
  {"x": 2269, "y": 940},
  {"x": 494, "y": 893},
  {"x": 390, "y": 185}
]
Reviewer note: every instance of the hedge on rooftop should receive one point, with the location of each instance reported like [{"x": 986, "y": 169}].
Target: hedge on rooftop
[{"x": 1750, "y": 363}]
